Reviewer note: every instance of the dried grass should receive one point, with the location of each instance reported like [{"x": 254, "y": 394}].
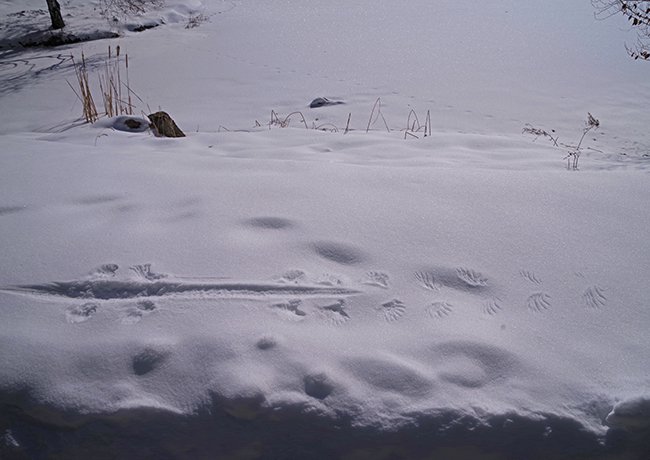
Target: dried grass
[
  {"x": 413, "y": 125},
  {"x": 84, "y": 94},
  {"x": 375, "y": 114},
  {"x": 116, "y": 93}
]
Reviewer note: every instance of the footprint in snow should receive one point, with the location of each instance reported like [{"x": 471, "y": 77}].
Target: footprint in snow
[
  {"x": 81, "y": 313},
  {"x": 471, "y": 277},
  {"x": 439, "y": 310},
  {"x": 460, "y": 279},
  {"x": 492, "y": 306},
  {"x": 378, "y": 279},
  {"x": 340, "y": 253},
  {"x": 594, "y": 297},
  {"x": 538, "y": 302},
  {"x": 135, "y": 313},
  {"x": 105, "y": 271},
  {"x": 11, "y": 209},
  {"x": 293, "y": 276},
  {"x": 530, "y": 277},
  {"x": 148, "y": 360},
  {"x": 334, "y": 313},
  {"x": 144, "y": 271},
  {"x": 428, "y": 281},
  {"x": 266, "y": 342},
  {"x": 392, "y": 310},
  {"x": 270, "y": 223},
  {"x": 318, "y": 386},
  {"x": 290, "y": 310}
]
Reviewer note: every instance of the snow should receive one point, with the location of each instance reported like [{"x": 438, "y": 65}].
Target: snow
[{"x": 373, "y": 292}]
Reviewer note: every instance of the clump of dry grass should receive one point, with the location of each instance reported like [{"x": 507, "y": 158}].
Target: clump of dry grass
[
  {"x": 84, "y": 94},
  {"x": 116, "y": 93},
  {"x": 111, "y": 85},
  {"x": 573, "y": 155},
  {"x": 413, "y": 125},
  {"x": 276, "y": 120}
]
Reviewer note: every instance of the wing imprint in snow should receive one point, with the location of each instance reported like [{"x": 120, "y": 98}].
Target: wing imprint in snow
[
  {"x": 530, "y": 276},
  {"x": 471, "y": 277},
  {"x": 594, "y": 297},
  {"x": 539, "y": 302},
  {"x": 439, "y": 310},
  {"x": 392, "y": 310}
]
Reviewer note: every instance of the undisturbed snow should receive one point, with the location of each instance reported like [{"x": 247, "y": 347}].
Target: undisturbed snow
[{"x": 370, "y": 276}]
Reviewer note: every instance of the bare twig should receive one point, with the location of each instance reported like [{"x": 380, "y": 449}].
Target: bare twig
[
  {"x": 347, "y": 125},
  {"x": 427, "y": 124},
  {"x": 530, "y": 129},
  {"x": 574, "y": 155},
  {"x": 377, "y": 108}
]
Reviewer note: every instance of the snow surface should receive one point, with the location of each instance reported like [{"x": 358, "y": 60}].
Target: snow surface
[{"x": 462, "y": 290}]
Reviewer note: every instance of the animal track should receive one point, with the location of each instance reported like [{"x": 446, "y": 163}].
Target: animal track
[
  {"x": 427, "y": 281},
  {"x": 327, "y": 279},
  {"x": 270, "y": 223},
  {"x": 145, "y": 272},
  {"x": 148, "y": 360},
  {"x": 594, "y": 297},
  {"x": 392, "y": 310},
  {"x": 439, "y": 310},
  {"x": 389, "y": 375},
  {"x": 293, "y": 276},
  {"x": 99, "y": 199},
  {"x": 539, "y": 302},
  {"x": 106, "y": 270},
  {"x": 145, "y": 305},
  {"x": 530, "y": 276},
  {"x": 11, "y": 209},
  {"x": 378, "y": 279},
  {"x": 335, "y": 313},
  {"x": 266, "y": 343},
  {"x": 154, "y": 285},
  {"x": 492, "y": 306},
  {"x": 471, "y": 277},
  {"x": 291, "y": 307},
  {"x": 470, "y": 364},
  {"x": 460, "y": 279},
  {"x": 81, "y": 313},
  {"x": 343, "y": 254},
  {"x": 318, "y": 386},
  {"x": 141, "y": 309}
]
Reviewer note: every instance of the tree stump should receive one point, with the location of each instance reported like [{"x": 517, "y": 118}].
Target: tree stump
[
  {"x": 163, "y": 125},
  {"x": 55, "y": 14}
]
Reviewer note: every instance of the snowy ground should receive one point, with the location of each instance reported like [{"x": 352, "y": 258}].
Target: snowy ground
[{"x": 253, "y": 291}]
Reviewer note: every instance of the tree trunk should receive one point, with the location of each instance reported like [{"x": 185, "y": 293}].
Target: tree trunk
[{"x": 55, "y": 13}]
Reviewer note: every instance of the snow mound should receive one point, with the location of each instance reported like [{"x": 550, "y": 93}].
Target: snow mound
[{"x": 632, "y": 413}]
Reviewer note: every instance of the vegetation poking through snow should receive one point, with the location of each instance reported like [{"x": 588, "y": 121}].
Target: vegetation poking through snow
[
  {"x": 115, "y": 88},
  {"x": 574, "y": 154}
]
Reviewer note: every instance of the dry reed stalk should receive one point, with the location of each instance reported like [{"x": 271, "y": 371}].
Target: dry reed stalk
[
  {"x": 415, "y": 120},
  {"x": 283, "y": 123},
  {"x": 427, "y": 124},
  {"x": 85, "y": 95},
  {"x": 376, "y": 107},
  {"x": 128, "y": 85},
  {"x": 287, "y": 119},
  {"x": 111, "y": 85}
]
